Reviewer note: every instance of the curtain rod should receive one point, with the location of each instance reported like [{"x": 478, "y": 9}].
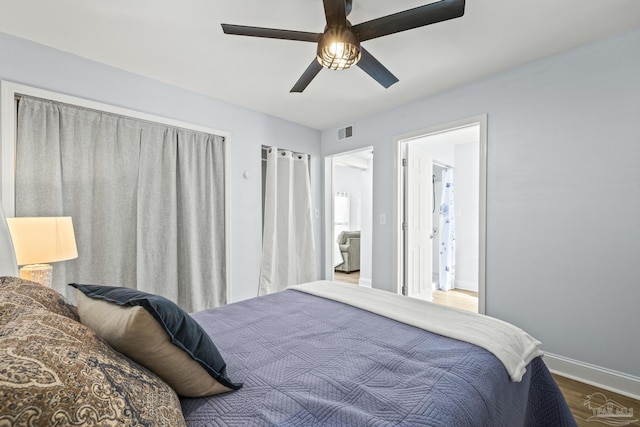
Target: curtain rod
[{"x": 267, "y": 148}]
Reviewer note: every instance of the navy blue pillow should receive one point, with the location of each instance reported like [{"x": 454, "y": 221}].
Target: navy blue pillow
[{"x": 184, "y": 332}]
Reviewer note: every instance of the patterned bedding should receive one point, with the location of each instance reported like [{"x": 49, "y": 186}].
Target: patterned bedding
[
  {"x": 54, "y": 371},
  {"x": 309, "y": 361}
]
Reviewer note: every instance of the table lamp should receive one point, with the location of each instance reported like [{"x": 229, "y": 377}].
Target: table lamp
[{"x": 40, "y": 240}]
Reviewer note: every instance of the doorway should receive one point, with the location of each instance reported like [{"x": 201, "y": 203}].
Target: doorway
[
  {"x": 349, "y": 230},
  {"x": 441, "y": 214}
]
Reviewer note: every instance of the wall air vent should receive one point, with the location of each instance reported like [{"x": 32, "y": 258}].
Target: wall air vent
[{"x": 345, "y": 133}]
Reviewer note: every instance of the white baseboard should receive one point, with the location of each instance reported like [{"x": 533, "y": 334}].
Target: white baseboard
[
  {"x": 604, "y": 378},
  {"x": 365, "y": 282},
  {"x": 466, "y": 285}
]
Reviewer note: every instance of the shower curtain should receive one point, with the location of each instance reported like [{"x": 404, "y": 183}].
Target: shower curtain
[
  {"x": 447, "y": 233},
  {"x": 288, "y": 249}
]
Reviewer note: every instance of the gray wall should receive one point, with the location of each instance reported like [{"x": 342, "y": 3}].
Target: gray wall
[
  {"x": 32, "y": 64},
  {"x": 563, "y": 158}
]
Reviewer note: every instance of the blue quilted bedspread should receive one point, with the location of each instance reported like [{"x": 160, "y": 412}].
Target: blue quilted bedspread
[{"x": 309, "y": 361}]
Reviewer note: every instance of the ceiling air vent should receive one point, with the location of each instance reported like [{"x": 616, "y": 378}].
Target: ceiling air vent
[{"x": 345, "y": 133}]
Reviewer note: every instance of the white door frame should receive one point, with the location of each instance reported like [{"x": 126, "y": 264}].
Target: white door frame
[{"x": 480, "y": 120}]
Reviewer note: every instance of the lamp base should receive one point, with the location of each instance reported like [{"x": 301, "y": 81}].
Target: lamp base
[{"x": 40, "y": 273}]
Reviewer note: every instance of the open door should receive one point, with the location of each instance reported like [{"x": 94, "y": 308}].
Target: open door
[
  {"x": 451, "y": 144},
  {"x": 349, "y": 207},
  {"x": 418, "y": 224}
]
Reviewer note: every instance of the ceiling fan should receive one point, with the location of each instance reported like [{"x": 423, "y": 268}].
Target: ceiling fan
[{"x": 339, "y": 45}]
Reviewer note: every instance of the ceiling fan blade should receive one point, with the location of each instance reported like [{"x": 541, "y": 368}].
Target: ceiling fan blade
[
  {"x": 409, "y": 19},
  {"x": 336, "y": 12},
  {"x": 375, "y": 69},
  {"x": 312, "y": 70},
  {"x": 241, "y": 30}
]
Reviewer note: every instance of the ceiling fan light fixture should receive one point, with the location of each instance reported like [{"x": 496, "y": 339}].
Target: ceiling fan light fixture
[{"x": 338, "y": 49}]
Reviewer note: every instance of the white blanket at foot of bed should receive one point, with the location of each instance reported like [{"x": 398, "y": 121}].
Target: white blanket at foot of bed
[{"x": 510, "y": 344}]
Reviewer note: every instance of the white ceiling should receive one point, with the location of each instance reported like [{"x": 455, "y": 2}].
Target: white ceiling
[{"x": 182, "y": 43}]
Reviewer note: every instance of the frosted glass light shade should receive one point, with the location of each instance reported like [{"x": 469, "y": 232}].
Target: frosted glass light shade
[{"x": 39, "y": 240}]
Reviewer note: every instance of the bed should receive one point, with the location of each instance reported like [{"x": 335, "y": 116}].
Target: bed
[{"x": 320, "y": 354}]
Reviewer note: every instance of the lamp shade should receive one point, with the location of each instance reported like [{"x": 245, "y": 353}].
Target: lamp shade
[{"x": 39, "y": 240}]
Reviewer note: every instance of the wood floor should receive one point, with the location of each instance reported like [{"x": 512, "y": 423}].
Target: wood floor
[
  {"x": 353, "y": 277},
  {"x": 577, "y": 393},
  {"x": 459, "y": 298}
]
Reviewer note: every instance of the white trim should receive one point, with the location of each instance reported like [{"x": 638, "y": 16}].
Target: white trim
[
  {"x": 480, "y": 120},
  {"x": 365, "y": 283},
  {"x": 617, "y": 382},
  {"x": 7, "y": 148},
  {"x": 482, "y": 226},
  {"x": 328, "y": 218},
  {"x": 466, "y": 285},
  {"x": 8, "y": 92}
]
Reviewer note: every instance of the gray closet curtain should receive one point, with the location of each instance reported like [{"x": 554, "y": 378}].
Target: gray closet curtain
[{"x": 147, "y": 200}]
